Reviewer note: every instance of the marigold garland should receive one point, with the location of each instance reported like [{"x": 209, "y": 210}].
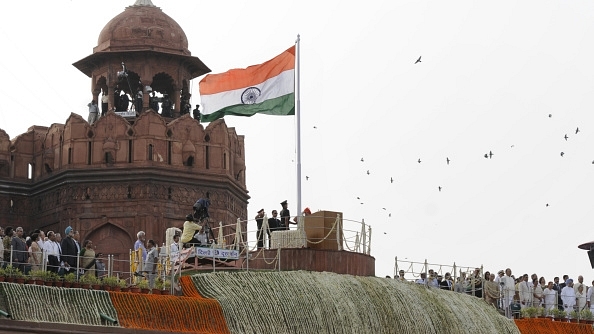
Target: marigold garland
[
  {"x": 188, "y": 287},
  {"x": 169, "y": 313},
  {"x": 546, "y": 326}
]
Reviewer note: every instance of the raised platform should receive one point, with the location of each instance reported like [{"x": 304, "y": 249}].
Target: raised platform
[{"x": 340, "y": 262}]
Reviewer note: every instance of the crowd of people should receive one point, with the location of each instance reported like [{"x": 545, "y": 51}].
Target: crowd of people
[
  {"x": 51, "y": 252},
  {"x": 508, "y": 293}
]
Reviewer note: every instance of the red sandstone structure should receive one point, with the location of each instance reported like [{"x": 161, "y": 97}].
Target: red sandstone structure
[{"x": 118, "y": 176}]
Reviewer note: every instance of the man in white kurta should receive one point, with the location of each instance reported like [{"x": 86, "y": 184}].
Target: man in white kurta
[
  {"x": 568, "y": 296},
  {"x": 526, "y": 293},
  {"x": 509, "y": 290}
]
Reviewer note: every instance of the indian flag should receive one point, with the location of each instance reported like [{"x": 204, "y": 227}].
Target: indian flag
[{"x": 268, "y": 88}]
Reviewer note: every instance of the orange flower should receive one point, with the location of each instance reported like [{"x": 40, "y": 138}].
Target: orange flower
[
  {"x": 544, "y": 326},
  {"x": 169, "y": 313}
]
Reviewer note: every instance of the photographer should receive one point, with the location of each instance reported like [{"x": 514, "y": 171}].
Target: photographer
[{"x": 190, "y": 229}]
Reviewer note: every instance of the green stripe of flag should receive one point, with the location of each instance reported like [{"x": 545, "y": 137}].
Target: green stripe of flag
[{"x": 280, "y": 106}]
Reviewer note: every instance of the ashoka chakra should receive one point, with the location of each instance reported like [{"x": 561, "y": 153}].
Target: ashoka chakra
[{"x": 250, "y": 95}]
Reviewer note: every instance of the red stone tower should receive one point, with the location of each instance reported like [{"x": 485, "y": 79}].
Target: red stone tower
[{"x": 118, "y": 176}]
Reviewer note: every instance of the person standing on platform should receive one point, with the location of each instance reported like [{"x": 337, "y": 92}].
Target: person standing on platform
[
  {"x": 150, "y": 265},
  {"x": 20, "y": 256},
  {"x": 139, "y": 244},
  {"x": 93, "y": 112},
  {"x": 104, "y": 103},
  {"x": 274, "y": 224},
  {"x": 69, "y": 250},
  {"x": 138, "y": 101},
  {"x": 285, "y": 216},
  {"x": 154, "y": 102},
  {"x": 260, "y": 236}
]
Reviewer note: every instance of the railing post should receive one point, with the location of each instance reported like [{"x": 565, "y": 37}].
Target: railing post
[
  {"x": 11, "y": 255},
  {"x": 395, "y": 266},
  {"x": 369, "y": 243},
  {"x": 363, "y": 234}
]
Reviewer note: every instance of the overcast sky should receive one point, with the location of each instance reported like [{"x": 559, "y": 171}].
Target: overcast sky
[{"x": 490, "y": 75}]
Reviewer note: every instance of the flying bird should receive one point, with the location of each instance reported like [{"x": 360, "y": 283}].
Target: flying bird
[
  {"x": 384, "y": 208},
  {"x": 547, "y": 204},
  {"x": 550, "y": 115},
  {"x": 562, "y": 153},
  {"x": 566, "y": 137},
  {"x": 486, "y": 155},
  {"x": 315, "y": 127},
  {"x": 419, "y": 161},
  {"x": 491, "y": 154},
  {"x": 577, "y": 130},
  {"x": 368, "y": 172},
  {"x": 418, "y": 60},
  {"x": 447, "y": 160},
  {"x": 389, "y": 215},
  {"x": 361, "y": 202},
  {"x": 385, "y": 233},
  {"x": 358, "y": 197},
  {"x": 391, "y": 180},
  {"x": 439, "y": 188},
  {"x": 362, "y": 160},
  {"x": 306, "y": 177}
]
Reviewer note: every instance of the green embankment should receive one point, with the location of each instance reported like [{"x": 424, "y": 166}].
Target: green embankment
[{"x": 312, "y": 302}]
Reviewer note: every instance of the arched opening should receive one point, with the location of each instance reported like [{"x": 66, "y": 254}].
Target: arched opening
[{"x": 160, "y": 97}]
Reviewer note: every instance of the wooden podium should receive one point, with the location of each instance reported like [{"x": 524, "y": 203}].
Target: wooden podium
[{"x": 323, "y": 224}]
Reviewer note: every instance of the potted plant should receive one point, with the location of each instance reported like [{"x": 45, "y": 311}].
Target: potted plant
[
  {"x": 158, "y": 287},
  {"x": 19, "y": 277},
  {"x": 123, "y": 285},
  {"x": 587, "y": 316},
  {"x": 110, "y": 283},
  {"x": 37, "y": 276},
  {"x": 2, "y": 275},
  {"x": 86, "y": 281},
  {"x": 166, "y": 287},
  {"x": 528, "y": 312},
  {"x": 9, "y": 273},
  {"x": 58, "y": 282},
  {"x": 541, "y": 312},
  {"x": 69, "y": 280},
  {"x": 561, "y": 315},
  {"x": 95, "y": 282},
  {"x": 144, "y": 286},
  {"x": 574, "y": 316}
]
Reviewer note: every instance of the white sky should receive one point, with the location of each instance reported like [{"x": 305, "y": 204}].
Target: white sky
[{"x": 490, "y": 75}]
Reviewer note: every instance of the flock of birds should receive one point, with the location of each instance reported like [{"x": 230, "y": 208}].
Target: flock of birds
[{"x": 488, "y": 155}]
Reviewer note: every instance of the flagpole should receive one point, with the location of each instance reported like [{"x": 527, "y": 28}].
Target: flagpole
[{"x": 298, "y": 118}]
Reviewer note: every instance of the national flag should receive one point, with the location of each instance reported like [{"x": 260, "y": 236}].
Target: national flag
[{"x": 268, "y": 88}]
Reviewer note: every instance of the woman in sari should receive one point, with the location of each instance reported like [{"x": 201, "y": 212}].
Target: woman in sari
[
  {"x": 491, "y": 291},
  {"x": 35, "y": 254},
  {"x": 87, "y": 260}
]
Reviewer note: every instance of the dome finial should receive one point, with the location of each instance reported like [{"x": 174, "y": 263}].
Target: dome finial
[{"x": 144, "y": 3}]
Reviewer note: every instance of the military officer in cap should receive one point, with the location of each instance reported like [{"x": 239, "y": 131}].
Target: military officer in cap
[{"x": 285, "y": 216}]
